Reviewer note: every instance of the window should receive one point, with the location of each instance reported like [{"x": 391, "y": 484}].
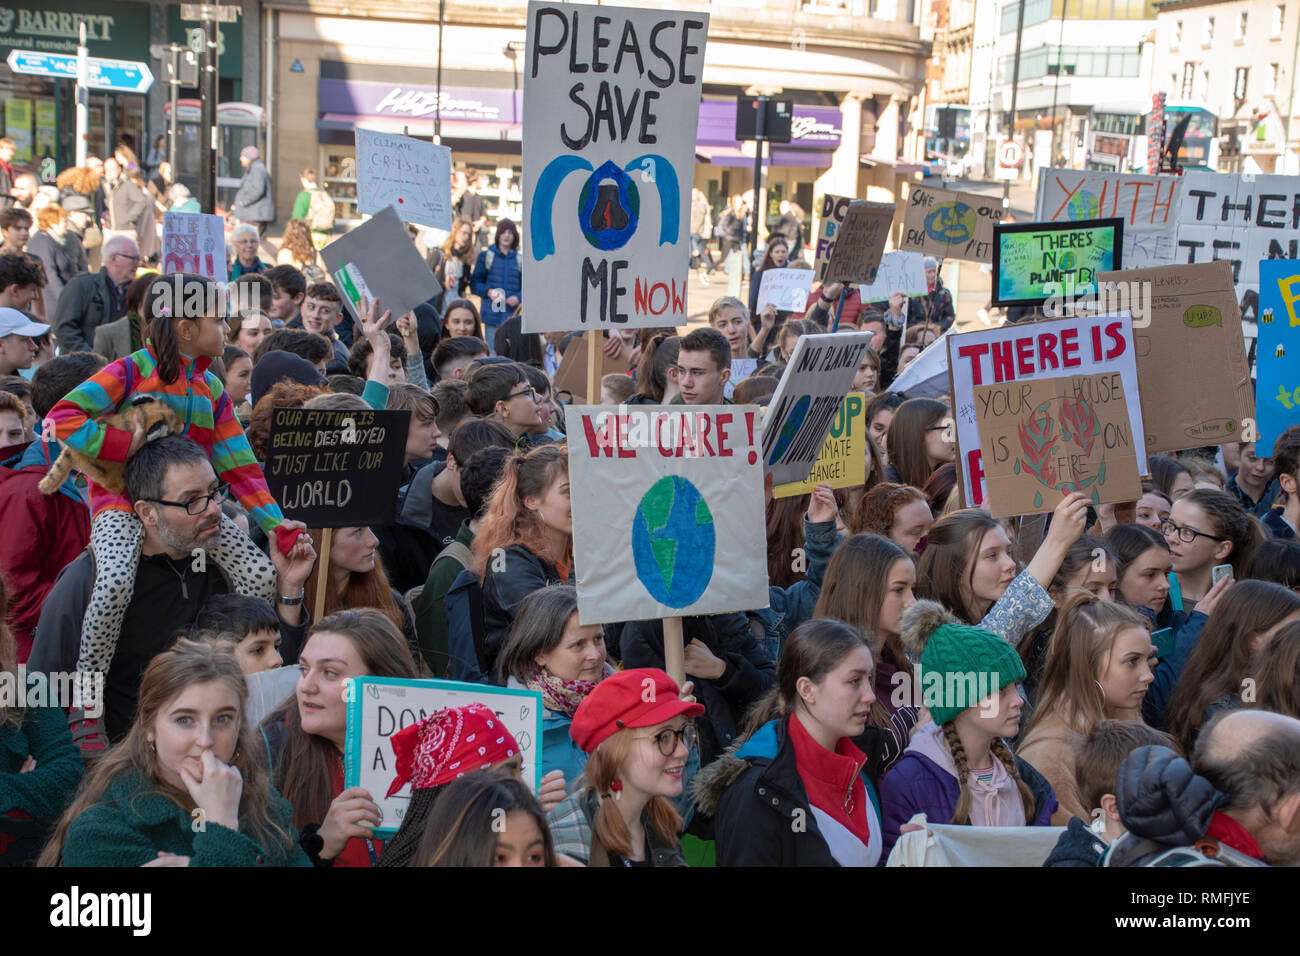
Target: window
[
  {"x": 1208, "y": 36},
  {"x": 1241, "y": 28},
  {"x": 1178, "y": 35},
  {"x": 1189, "y": 78},
  {"x": 1272, "y": 78},
  {"x": 1239, "y": 84},
  {"x": 1279, "y": 20}
]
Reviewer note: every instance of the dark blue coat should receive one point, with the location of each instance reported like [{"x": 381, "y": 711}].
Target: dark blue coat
[{"x": 503, "y": 273}]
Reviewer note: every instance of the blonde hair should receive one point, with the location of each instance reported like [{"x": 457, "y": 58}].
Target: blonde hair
[{"x": 603, "y": 768}]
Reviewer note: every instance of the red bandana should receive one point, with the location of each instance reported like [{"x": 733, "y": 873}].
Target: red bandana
[{"x": 448, "y": 744}]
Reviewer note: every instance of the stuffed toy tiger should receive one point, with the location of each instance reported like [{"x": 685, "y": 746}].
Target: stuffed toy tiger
[{"x": 156, "y": 417}]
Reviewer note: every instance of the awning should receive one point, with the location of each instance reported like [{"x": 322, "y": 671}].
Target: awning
[
  {"x": 734, "y": 156},
  {"x": 898, "y": 166},
  {"x": 422, "y": 126}
]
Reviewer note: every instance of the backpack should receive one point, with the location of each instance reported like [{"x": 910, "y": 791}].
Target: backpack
[
  {"x": 320, "y": 214},
  {"x": 1131, "y": 850}
]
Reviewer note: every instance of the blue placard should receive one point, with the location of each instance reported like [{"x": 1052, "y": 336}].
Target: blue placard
[{"x": 1277, "y": 381}]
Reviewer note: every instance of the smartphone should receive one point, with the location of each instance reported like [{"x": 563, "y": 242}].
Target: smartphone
[
  {"x": 1218, "y": 572},
  {"x": 1163, "y": 640}
]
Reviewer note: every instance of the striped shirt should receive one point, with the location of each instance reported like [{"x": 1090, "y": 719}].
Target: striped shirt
[{"x": 198, "y": 399}]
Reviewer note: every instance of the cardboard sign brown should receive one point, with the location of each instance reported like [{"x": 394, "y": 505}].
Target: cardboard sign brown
[
  {"x": 949, "y": 224},
  {"x": 571, "y": 376},
  {"x": 1191, "y": 358},
  {"x": 1042, "y": 438},
  {"x": 860, "y": 243}
]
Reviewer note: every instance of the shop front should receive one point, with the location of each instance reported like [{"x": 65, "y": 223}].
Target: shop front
[{"x": 39, "y": 113}]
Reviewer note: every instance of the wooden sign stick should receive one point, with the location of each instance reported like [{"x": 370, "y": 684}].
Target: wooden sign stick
[
  {"x": 674, "y": 650},
  {"x": 322, "y": 574},
  {"x": 595, "y": 362}
]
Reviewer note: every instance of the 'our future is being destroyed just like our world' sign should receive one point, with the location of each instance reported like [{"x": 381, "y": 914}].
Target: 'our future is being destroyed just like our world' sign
[
  {"x": 611, "y": 102},
  {"x": 683, "y": 484},
  {"x": 949, "y": 224},
  {"x": 807, "y": 399},
  {"x": 411, "y": 175},
  {"x": 336, "y": 468}
]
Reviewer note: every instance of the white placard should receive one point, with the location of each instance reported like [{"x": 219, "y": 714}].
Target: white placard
[
  {"x": 899, "y": 272},
  {"x": 195, "y": 242},
  {"x": 411, "y": 175},
  {"x": 787, "y": 289},
  {"x": 1149, "y": 206},
  {"x": 741, "y": 369}
]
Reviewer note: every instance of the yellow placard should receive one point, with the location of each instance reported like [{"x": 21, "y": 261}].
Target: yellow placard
[{"x": 843, "y": 458}]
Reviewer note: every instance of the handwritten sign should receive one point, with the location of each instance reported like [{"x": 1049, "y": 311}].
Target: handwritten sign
[
  {"x": 949, "y": 224},
  {"x": 412, "y": 175},
  {"x": 803, "y": 407},
  {"x": 195, "y": 242},
  {"x": 843, "y": 458},
  {"x": 379, "y": 255},
  {"x": 834, "y": 209},
  {"x": 741, "y": 369},
  {"x": 336, "y": 468},
  {"x": 683, "y": 485},
  {"x": 898, "y": 272},
  {"x": 378, "y": 707},
  {"x": 1277, "y": 396},
  {"x": 860, "y": 242},
  {"x": 1191, "y": 358},
  {"x": 1043, "y": 438},
  {"x": 1149, "y": 205},
  {"x": 787, "y": 289},
  {"x": 611, "y": 101},
  {"x": 1033, "y": 262},
  {"x": 1015, "y": 353}
]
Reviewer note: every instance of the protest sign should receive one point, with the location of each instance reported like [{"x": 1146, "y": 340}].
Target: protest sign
[
  {"x": 1033, "y": 262},
  {"x": 812, "y": 388},
  {"x": 741, "y": 369},
  {"x": 379, "y": 707},
  {"x": 926, "y": 376},
  {"x": 571, "y": 376},
  {"x": 195, "y": 242},
  {"x": 679, "y": 530},
  {"x": 834, "y": 209},
  {"x": 1043, "y": 438},
  {"x": 1191, "y": 358},
  {"x": 378, "y": 260},
  {"x": 411, "y": 175},
  {"x": 1149, "y": 206},
  {"x": 610, "y": 245},
  {"x": 1076, "y": 346},
  {"x": 787, "y": 289},
  {"x": 860, "y": 242},
  {"x": 1277, "y": 397},
  {"x": 336, "y": 468},
  {"x": 898, "y": 272},
  {"x": 949, "y": 224},
  {"x": 843, "y": 459}
]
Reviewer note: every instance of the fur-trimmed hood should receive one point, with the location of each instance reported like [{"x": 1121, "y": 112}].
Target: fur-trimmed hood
[{"x": 712, "y": 782}]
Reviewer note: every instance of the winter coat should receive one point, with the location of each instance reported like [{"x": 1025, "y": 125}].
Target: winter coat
[
  {"x": 43, "y": 533},
  {"x": 749, "y": 673},
  {"x": 1050, "y": 747},
  {"x": 756, "y": 805},
  {"x": 559, "y": 752},
  {"x": 916, "y": 784},
  {"x": 503, "y": 591},
  {"x": 503, "y": 273},
  {"x": 730, "y": 227},
  {"x": 937, "y": 306},
  {"x": 1161, "y": 798},
  {"x": 133, "y": 822},
  {"x": 407, "y": 546},
  {"x": 131, "y": 210},
  {"x": 86, "y": 303},
  {"x": 572, "y": 831},
  {"x": 1187, "y": 629},
  {"x": 31, "y": 802},
  {"x": 60, "y": 268},
  {"x": 253, "y": 202},
  {"x": 789, "y": 607},
  {"x": 824, "y": 314}
]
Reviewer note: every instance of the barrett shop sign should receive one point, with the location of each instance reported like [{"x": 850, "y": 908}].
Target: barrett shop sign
[{"x": 118, "y": 30}]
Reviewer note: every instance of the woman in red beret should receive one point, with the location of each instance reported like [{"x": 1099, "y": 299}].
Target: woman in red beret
[{"x": 638, "y": 734}]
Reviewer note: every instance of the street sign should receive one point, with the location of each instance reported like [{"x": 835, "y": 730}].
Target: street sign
[
  {"x": 209, "y": 11},
  {"x": 117, "y": 76},
  {"x": 1010, "y": 155}
]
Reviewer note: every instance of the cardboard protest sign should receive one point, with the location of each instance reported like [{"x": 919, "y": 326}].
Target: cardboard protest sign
[
  {"x": 1191, "y": 358},
  {"x": 1023, "y": 353},
  {"x": 679, "y": 531},
  {"x": 834, "y": 208},
  {"x": 411, "y": 175},
  {"x": 898, "y": 272},
  {"x": 379, "y": 707},
  {"x": 812, "y": 388},
  {"x": 611, "y": 102},
  {"x": 787, "y": 289},
  {"x": 843, "y": 458},
  {"x": 949, "y": 224},
  {"x": 741, "y": 369},
  {"x": 1149, "y": 206},
  {"x": 571, "y": 376},
  {"x": 378, "y": 260},
  {"x": 860, "y": 242},
  {"x": 336, "y": 468},
  {"x": 1043, "y": 438},
  {"x": 1277, "y": 397},
  {"x": 1033, "y": 262},
  {"x": 195, "y": 242}
]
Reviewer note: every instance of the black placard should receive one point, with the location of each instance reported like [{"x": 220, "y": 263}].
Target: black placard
[{"x": 337, "y": 468}]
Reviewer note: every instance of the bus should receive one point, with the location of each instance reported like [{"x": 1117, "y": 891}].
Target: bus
[
  {"x": 1116, "y": 136},
  {"x": 947, "y": 139}
]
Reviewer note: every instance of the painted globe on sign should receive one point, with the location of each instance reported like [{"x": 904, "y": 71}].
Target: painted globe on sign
[
  {"x": 951, "y": 222},
  {"x": 673, "y": 542},
  {"x": 1082, "y": 205},
  {"x": 609, "y": 208},
  {"x": 790, "y": 428}
]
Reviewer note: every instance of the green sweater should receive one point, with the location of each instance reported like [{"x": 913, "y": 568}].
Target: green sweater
[
  {"x": 30, "y": 803},
  {"x": 431, "y": 614},
  {"x": 132, "y": 823},
  {"x": 302, "y": 204}
]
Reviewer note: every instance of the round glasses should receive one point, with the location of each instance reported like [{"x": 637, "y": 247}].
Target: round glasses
[
  {"x": 1186, "y": 535},
  {"x": 666, "y": 739}
]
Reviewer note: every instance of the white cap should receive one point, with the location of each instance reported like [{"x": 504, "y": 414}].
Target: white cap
[{"x": 13, "y": 322}]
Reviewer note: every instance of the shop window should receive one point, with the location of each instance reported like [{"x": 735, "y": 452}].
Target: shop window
[
  {"x": 1279, "y": 21},
  {"x": 338, "y": 172},
  {"x": 1189, "y": 80},
  {"x": 1240, "y": 36},
  {"x": 1178, "y": 35},
  {"x": 1207, "y": 34},
  {"x": 1239, "y": 84}
]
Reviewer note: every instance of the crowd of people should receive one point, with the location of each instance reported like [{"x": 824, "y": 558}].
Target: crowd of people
[{"x": 1126, "y": 672}]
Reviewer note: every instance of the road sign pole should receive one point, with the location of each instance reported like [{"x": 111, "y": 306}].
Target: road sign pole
[
  {"x": 174, "y": 81},
  {"x": 83, "y": 96},
  {"x": 208, "y": 117},
  {"x": 760, "y": 131}
]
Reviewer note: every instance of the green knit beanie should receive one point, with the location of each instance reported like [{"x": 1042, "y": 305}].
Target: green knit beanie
[{"x": 960, "y": 664}]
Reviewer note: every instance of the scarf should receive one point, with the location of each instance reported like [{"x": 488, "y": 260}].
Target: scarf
[
  {"x": 563, "y": 696},
  {"x": 995, "y": 803}
]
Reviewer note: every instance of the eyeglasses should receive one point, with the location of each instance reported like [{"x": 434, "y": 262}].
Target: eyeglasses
[
  {"x": 127, "y": 255},
  {"x": 196, "y": 506},
  {"x": 1186, "y": 535},
  {"x": 666, "y": 740},
  {"x": 529, "y": 391}
]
